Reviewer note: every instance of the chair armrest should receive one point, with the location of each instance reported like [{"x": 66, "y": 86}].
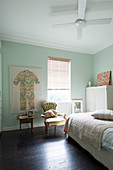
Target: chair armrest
[
  {"x": 43, "y": 116},
  {"x": 62, "y": 114}
]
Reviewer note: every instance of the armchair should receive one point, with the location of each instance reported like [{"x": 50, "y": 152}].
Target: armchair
[{"x": 51, "y": 116}]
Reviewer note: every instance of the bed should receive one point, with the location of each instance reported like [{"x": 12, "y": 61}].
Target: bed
[{"x": 94, "y": 135}]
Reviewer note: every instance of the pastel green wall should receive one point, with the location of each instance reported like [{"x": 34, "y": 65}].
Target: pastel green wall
[
  {"x": 102, "y": 62},
  {"x": 0, "y": 86},
  {"x": 16, "y": 54}
]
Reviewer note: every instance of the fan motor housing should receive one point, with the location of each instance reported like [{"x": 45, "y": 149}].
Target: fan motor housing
[{"x": 80, "y": 21}]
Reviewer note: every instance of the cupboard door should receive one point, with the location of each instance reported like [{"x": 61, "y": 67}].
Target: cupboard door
[
  {"x": 0, "y": 116},
  {"x": 100, "y": 98},
  {"x": 90, "y": 99},
  {"x": 110, "y": 97},
  {"x": 0, "y": 93}
]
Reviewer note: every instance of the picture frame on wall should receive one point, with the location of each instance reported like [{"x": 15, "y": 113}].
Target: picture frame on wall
[
  {"x": 30, "y": 112},
  {"x": 104, "y": 78},
  {"x": 77, "y": 106}
]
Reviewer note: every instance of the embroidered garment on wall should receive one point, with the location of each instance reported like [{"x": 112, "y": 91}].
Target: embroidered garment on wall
[
  {"x": 26, "y": 79},
  {"x": 25, "y": 89}
]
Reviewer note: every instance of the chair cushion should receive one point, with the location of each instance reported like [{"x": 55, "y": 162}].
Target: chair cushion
[
  {"x": 56, "y": 121},
  {"x": 49, "y": 113}
]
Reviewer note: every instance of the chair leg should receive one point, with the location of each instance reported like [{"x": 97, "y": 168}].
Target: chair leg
[
  {"x": 46, "y": 128},
  {"x": 55, "y": 130}
]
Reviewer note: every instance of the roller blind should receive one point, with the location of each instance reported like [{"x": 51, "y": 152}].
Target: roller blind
[{"x": 58, "y": 74}]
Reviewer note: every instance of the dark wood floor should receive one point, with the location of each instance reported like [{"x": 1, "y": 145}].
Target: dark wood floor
[{"x": 38, "y": 152}]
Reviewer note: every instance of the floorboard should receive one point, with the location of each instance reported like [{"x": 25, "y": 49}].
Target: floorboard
[{"x": 38, "y": 152}]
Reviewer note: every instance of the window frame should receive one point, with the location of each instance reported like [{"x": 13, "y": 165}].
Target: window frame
[{"x": 65, "y": 60}]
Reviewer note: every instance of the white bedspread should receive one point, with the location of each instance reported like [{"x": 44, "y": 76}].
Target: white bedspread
[{"x": 85, "y": 127}]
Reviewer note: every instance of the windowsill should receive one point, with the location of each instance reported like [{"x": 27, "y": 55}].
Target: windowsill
[{"x": 64, "y": 101}]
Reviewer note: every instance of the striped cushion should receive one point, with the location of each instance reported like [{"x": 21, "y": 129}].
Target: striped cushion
[
  {"x": 107, "y": 139},
  {"x": 49, "y": 114},
  {"x": 103, "y": 114}
]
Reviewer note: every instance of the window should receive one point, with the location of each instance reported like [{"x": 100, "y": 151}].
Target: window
[{"x": 58, "y": 79}]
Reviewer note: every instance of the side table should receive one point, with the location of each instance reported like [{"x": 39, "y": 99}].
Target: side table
[{"x": 26, "y": 119}]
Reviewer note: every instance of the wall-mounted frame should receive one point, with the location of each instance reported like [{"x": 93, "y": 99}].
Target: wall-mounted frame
[
  {"x": 104, "y": 78},
  {"x": 77, "y": 106},
  {"x": 30, "y": 112}
]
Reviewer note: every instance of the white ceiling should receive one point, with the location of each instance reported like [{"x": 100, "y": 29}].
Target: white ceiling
[{"x": 30, "y": 21}]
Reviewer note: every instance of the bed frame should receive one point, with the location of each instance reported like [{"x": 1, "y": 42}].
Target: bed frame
[{"x": 104, "y": 156}]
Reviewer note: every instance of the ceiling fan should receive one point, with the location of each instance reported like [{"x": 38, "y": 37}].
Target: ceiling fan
[{"x": 81, "y": 21}]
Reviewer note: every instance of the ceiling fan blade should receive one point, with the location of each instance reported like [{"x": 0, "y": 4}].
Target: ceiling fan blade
[
  {"x": 64, "y": 24},
  {"x": 79, "y": 32},
  {"x": 99, "y": 21},
  {"x": 81, "y": 8}
]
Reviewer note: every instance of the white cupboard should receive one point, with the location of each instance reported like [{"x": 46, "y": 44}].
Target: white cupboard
[
  {"x": 99, "y": 97},
  {"x": 0, "y": 93}
]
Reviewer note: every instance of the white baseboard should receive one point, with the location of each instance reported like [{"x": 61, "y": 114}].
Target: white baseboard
[{"x": 18, "y": 128}]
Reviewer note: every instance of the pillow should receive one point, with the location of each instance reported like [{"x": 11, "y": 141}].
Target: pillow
[
  {"x": 49, "y": 113},
  {"x": 103, "y": 114},
  {"x": 55, "y": 112}
]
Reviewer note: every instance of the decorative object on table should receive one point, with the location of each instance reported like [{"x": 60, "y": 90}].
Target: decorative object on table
[
  {"x": 30, "y": 112},
  {"x": 77, "y": 106},
  {"x": 25, "y": 89},
  {"x": 89, "y": 83},
  {"x": 51, "y": 116},
  {"x": 103, "y": 78}
]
